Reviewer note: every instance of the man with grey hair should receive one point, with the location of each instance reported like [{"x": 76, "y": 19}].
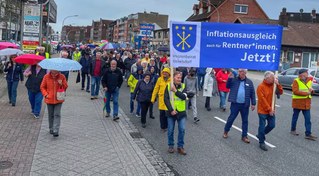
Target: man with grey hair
[
  {"x": 97, "y": 67},
  {"x": 241, "y": 96},
  {"x": 264, "y": 106}
]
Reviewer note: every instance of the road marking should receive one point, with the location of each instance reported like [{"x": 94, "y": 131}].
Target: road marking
[{"x": 252, "y": 136}]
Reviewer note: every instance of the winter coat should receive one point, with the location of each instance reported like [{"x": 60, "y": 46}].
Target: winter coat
[
  {"x": 143, "y": 91},
  {"x": 221, "y": 77},
  {"x": 112, "y": 79},
  {"x": 34, "y": 80},
  {"x": 210, "y": 84},
  {"x": 159, "y": 90},
  {"x": 85, "y": 64},
  {"x": 128, "y": 63},
  {"x": 49, "y": 87},
  {"x": 13, "y": 75},
  {"x": 92, "y": 66}
]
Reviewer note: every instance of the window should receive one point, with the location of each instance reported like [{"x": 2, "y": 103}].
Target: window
[
  {"x": 195, "y": 12},
  {"x": 291, "y": 72},
  {"x": 290, "y": 56},
  {"x": 200, "y": 10},
  {"x": 209, "y": 8},
  {"x": 241, "y": 8},
  {"x": 159, "y": 35}
]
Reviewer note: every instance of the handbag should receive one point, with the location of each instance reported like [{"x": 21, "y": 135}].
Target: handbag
[{"x": 60, "y": 95}]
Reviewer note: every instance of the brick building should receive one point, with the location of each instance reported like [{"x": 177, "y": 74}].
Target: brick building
[
  {"x": 75, "y": 34},
  {"x": 100, "y": 29},
  {"x": 226, "y": 10}
]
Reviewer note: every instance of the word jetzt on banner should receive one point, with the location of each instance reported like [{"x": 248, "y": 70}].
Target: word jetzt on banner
[{"x": 223, "y": 45}]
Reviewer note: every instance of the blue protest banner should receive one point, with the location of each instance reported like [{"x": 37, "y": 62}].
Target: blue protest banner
[{"x": 225, "y": 45}]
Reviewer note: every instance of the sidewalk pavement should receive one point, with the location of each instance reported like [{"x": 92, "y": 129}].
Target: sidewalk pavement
[{"x": 89, "y": 144}]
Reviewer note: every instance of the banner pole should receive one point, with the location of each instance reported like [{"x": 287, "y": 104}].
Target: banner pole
[
  {"x": 274, "y": 93},
  {"x": 172, "y": 94}
]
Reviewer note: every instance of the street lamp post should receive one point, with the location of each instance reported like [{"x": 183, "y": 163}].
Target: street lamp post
[{"x": 62, "y": 33}]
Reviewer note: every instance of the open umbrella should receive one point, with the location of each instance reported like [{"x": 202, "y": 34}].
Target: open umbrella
[
  {"x": 91, "y": 45},
  {"x": 67, "y": 46},
  {"x": 30, "y": 59},
  {"x": 10, "y": 51},
  {"x": 60, "y": 64},
  {"x": 108, "y": 46},
  {"x": 4, "y": 45}
]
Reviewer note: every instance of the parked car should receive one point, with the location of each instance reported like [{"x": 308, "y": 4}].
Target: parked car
[{"x": 287, "y": 77}]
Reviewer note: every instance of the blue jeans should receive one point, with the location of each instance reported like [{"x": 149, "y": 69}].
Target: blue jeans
[
  {"x": 222, "y": 96},
  {"x": 138, "y": 110},
  {"x": 95, "y": 85},
  {"x": 306, "y": 114},
  {"x": 115, "y": 95},
  {"x": 35, "y": 100},
  {"x": 200, "y": 81},
  {"x": 181, "y": 131},
  {"x": 12, "y": 91},
  {"x": 263, "y": 129},
  {"x": 235, "y": 109}
]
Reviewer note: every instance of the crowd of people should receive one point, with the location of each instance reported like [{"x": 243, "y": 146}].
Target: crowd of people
[{"x": 148, "y": 76}]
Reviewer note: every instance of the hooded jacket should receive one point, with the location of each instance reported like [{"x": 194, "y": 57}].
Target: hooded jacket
[
  {"x": 159, "y": 90},
  {"x": 210, "y": 84}
]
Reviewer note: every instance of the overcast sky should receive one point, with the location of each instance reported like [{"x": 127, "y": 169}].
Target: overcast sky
[{"x": 178, "y": 10}]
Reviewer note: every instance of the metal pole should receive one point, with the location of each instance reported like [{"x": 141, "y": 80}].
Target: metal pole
[
  {"x": 41, "y": 25},
  {"x": 21, "y": 24},
  {"x": 47, "y": 29},
  {"x": 17, "y": 22},
  {"x": 10, "y": 21}
]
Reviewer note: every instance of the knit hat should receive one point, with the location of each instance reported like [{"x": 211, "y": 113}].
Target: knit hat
[{"x": 302, "y": 71}]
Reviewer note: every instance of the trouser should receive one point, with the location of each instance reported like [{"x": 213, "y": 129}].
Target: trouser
[
  {"x": 207, "y": 102},
  {"x": 85, "y": 75},
  {"x": 193, "y": 104},
  {"x": 12, "y": 91},
  {"x": 151, "y": 110},
  {"x": 181, "y": 131},
  {"x": 222, "y": 97},
  {"x": 144, "y": 109},
  {"x": 54, "y": 111},
  {"x": 307, "y": 116},
  {"x": 115, "y": 95},
  {"x": 95, "y": 85},
  {"x": 200, "y": 81},
  {"x": 138, "y": 109},
  {"x": 235, "y": 109},
  {"x": 35, "y": 100},
  {"x": 263, "y": 129},
  {"x": 163, "y": 119}
]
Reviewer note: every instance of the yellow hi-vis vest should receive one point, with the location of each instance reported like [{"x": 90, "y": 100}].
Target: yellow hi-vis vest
[
  {"x": 179, "y": 104},
  {"x": 77, "y": 56},
  {"x": 303, "y": 88},
  {"x": 47, "y": 55}
]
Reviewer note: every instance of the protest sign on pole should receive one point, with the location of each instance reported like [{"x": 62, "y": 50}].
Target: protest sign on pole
[{"x": 225, "y": 45}]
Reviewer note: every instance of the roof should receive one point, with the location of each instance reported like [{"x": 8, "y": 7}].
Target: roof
[
  {"x": 199, "y": 17},
  {"x": 206, "y": 15},
  {"x": 302, "y": 17},
  {"x": 298, "y": 34}
]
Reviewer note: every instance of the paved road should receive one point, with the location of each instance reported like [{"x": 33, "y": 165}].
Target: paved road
[{"x": 210, "y": 154}]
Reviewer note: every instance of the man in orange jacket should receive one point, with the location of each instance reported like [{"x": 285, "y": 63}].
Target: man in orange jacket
[{"x": 264, "y": 106}]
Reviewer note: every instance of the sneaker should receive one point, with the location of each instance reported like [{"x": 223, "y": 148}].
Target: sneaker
[
  {"x": 115, "y": 118},
  {"x": 181, "y": 151},
  {"x": 224, "y": 109},
  {"x": 55, "y": 134},
  {"x": 294, "y": 133},
  {"x": 137, "y": 115},
  {"x": 209, "y": 109},
  {"x": 88, "y": 91},
  {"x": 196, "y": 119},
  {"x": 82, "y": 88},
  {"x": 96, "y": 97},
  {"x": 246, "y": 140},
  {"x": 107, "y": 114},
  {"x": 13, "y": 104},
  {"x": 263, "y": 147},
  {"x": 152, "y": 117},
  {"x": 311, "y": 137},
  {"x": 143, "y": 125},
  {"x": 36, "y": 116},
  {"x": 171, "y": 150},
  {"x": 92, "y": 98}
]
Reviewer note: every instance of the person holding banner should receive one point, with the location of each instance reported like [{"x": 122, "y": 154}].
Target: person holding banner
[
  {"x": 264, "y": 106},
  {"x": 176, "y": 111},
  {"x": 242, "y": 94},
  {"x": 210, "y": 87},
  {"x": 301, "y": 101}
]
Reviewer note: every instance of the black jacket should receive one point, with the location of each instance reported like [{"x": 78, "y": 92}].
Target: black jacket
[
  {"x": 34, "y": 80},
  {"x": 14, "y": 75},
  {"x": 167, "y": 101},
  {"x": 112, "y": 79},
  {"x": 143, "y": 91},
  {"x": 128, "y": 63}
]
